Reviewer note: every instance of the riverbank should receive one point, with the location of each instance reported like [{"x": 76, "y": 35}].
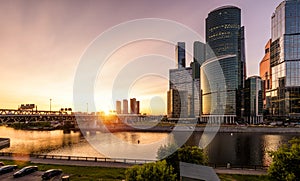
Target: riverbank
[
  {"x": 202, "y": 128},
  {"x": 169, "y": 127}
]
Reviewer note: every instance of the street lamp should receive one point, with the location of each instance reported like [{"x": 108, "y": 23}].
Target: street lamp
[
  {"x": 50, "y": 104},
  {"x": 87, "y": 108}
]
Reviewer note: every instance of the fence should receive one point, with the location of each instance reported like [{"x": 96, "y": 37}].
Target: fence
[
  {"x": 80, "y": 158},
  {"x": 126, "y": 160}
]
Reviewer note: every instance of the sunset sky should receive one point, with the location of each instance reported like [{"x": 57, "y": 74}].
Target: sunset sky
[{"x": 42, "y": 43}]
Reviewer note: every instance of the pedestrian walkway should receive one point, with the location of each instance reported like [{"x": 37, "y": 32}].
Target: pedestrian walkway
[
  {"x": 122, "y": 165},
  {"x": 240, "y": 171},
  {"x": 69, "y": 162}
]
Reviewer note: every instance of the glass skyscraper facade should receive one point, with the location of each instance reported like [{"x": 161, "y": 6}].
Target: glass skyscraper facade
[
  {"x": 266, "y": 75},
  {"x": 180, "y": 54},
  {"x": 285, "y": 61},
  {"x": 184, "y": 98},
  {"x": 225, "y": 51},
  {"x": 181, "y": 84},
  {"x": 253, "y": 93}
]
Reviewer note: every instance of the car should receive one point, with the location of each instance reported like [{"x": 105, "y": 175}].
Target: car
[
  {"x": 7, "y": 169},
  {"x": 1, "y": 164},
  {"x": 51, "y": 173},
  {"x": 25, "y": 171}
]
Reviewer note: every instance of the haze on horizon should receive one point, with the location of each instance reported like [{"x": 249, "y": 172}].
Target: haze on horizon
[{"x": 42, "y": 43}]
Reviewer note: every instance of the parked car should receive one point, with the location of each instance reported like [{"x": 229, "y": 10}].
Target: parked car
[
  {"x": 7, "y": 169},
  {"x": 51, "y": 173},
  {"x": 1, "y": 164},
  {"x": 25, "y": 171}
]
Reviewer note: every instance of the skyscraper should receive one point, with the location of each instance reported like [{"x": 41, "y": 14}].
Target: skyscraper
[
  {"x": 285, "y": 61},
  {"x": 180, "y": 84},
  {"x": 133, "y": 106},
  {"x": 180, "y": 54},
  {"x": 118, "y": 107},
  {"x": 125, "y": 106},
  {"x": 266, "y": 75},
  {"x": 225, "y": 49},
  {"x": 137, "y": 107},
  {"x": 184, "y": 87},
  {"x": 253, "y": 100}
]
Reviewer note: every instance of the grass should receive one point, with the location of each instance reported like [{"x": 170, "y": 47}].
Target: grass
[{"x": 79, "y": 172}]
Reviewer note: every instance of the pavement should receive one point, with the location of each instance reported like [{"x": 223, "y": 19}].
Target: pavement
[
  {"x": 69, "y": 162},
  {"x": 124, "y": 165},
  {"x": 240, "y": 171}
]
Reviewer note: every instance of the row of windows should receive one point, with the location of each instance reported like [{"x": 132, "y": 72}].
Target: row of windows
[
  {"x": 292, "y": 47},
  {"x": 293, "y": 73},
  {"x": 224, "y": 26}
]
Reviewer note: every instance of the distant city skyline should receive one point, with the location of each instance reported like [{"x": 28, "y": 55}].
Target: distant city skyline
[{"x": 42, "y": 41}]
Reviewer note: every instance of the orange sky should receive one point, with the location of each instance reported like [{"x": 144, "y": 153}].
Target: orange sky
[{"x": 42, "y": 42}]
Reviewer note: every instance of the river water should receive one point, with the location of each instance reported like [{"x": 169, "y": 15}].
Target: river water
[{"x": 234, "y": 148}]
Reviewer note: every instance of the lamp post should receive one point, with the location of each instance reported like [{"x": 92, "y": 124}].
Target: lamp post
[
  {"x": 50, "y": 105},
  {"x": 87, "y": 108}
]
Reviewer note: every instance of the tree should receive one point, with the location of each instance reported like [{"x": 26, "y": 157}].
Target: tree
[
  {"x": 192, "y": 154},
  {"x": 151, "y": 171},
  {"x": 166, "y": 151},
  {"x": 189, "y": 154},
  {"x": 286, "y": 162}
]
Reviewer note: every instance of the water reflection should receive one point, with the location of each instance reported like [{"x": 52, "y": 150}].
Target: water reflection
[
  {"x": 37, "y": 141},
  {"x": 242, "y": 148},
  {"x": 135, "y": 145},
  {"x": 236, "y": 148},
  {"x": 272, "y": 143}
]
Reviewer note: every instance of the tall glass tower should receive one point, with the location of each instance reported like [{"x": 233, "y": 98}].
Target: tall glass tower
[
  {"x": 180, "y": 54},
  {"x": 225, "y": 49},
  {"x": 285, "y": 61}
]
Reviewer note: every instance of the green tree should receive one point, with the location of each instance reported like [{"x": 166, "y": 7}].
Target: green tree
[
  {"x": 189, "y": 154},
  {"x": 166, "y": 151},
  {"x": 192, "y": 154},
  {"x": 286, "y": 162},
  {"x": 151, "y": 171}
]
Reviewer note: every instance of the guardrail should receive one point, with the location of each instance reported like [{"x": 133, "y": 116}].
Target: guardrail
[
  {"x": 237, "y": 166},
  {"x": 126, "y": 160},
  {"x": 80, "y": 158}
]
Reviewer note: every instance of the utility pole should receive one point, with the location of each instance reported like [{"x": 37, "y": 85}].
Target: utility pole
[{"x": 50, "y": 104}]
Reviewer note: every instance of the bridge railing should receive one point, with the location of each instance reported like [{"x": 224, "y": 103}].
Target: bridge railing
[{"x": 239, "y": 166}]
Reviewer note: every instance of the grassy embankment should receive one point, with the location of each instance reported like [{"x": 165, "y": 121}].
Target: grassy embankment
[{"x": 101, "y": 173}]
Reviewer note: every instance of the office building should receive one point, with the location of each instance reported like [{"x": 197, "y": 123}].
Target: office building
[
  {"x": 133, "y": 106},
  {"x": 181, "y": 93},
  {"x": 225, "y": 57},
  {"x": 137, "y": 107},
  {"x": 180, "y": 54},
  {"x": 266, "y": 75},
  {"x": 118, "y": 107},
  {"x": 285, "y": 61},
  {"x": 253, "y": 93},
  {"x": 125, "y": 106},
  {"x": 184, "y": 86},
  {"x": 199, "y": 55}
]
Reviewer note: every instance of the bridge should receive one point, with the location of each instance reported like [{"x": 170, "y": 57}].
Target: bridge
[
  {"x": 18, "y": 115},
  {"x": 8, "y": 116}
]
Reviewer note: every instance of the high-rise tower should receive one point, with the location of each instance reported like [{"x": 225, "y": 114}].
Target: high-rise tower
[
  {"x": 180, "y": 54},
  {"x": 285, "y": 61},
  {"x": 225, "y": 51}
]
